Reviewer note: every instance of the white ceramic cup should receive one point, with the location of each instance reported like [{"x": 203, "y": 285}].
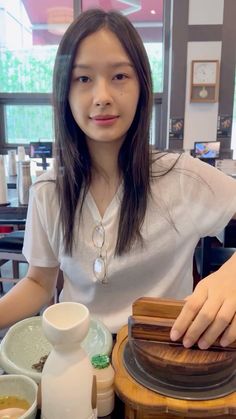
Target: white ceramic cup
[{"x": 23, "y": 387}]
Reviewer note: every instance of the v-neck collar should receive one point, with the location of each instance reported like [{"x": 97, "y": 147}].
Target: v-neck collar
[{"x": 110, "y": 208}]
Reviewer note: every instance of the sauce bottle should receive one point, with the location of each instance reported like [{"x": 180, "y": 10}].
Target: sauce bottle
[{"x": 105, "y": 378}]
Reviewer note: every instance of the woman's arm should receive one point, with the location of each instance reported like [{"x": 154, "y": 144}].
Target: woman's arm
[
  {"x": 28, "y": 296},
  {"x": 211, "y": 310}
]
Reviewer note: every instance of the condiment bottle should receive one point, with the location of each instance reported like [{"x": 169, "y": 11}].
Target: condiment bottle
[
  {"x": 3, "y": 183},
  {"x": 24, "y": 182},
  {"x": 21, "y": 153},
  {"x": 12, "y": 163},
  {"x": 105, "y": 378}
]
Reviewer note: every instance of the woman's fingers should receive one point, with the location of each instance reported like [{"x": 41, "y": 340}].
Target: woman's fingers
[
  {"x": 189, "y": 312},
  {"x": 221, "y": 321},
  {"x": 208, "y": 313},
  {"x": 229, "y": 334}
]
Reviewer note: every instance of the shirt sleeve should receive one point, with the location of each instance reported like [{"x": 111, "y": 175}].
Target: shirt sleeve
[
  {"x": 209, "y": 195},
  {"x": 38, "y": 246}
]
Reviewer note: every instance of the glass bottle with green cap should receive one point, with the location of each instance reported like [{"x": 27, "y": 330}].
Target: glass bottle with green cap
[{"x": 105, "y": 379}]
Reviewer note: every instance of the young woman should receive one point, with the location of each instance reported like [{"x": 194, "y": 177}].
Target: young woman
[{"x": 119, "y": 220}]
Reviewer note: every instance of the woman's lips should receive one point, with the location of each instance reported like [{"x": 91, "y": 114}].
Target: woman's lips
[{"x": 104, "y": 120}]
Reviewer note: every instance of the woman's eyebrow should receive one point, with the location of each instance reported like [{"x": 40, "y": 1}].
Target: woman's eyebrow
[{"x": 112, "y": 65}]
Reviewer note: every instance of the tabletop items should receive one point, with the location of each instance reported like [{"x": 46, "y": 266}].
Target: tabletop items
[
  {"x": 142, "y": 403},
  {"x": 105, "y": 375},
  {"x": 19, "y": 394},
  {"x": 12, "y": 163},
  {"x": 24, "y": 182},
  {"x": 24, "y": 344},
  {"x": 19, "y": 172},
  {"x": 21, "y": 153},
  {"x": 168, "y": 363},
  {"x": 3, "y": 184},
  {"x": 158, "y": 378},
  {"x": 68, "y": 382},
  {"x": 153, "y": 318},
  {"x": 13, "y": 158}
]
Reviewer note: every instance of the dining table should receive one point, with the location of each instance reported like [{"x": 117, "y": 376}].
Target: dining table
[
  {"x": 11, "y": 213},
  {"x": 118, "y": 412}
]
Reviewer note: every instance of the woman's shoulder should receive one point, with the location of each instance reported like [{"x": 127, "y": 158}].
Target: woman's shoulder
[
  {"x": 48, "y": 175},
  {"x": 164, "y": 162},
  {"x": 44, "y": 184},
  {"x": 46, "y": 178}
]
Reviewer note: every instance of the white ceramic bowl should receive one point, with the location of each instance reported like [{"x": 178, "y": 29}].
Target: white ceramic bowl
[
  {"x": 22, "y": 387},
  {"x": 25, "y": 343}
]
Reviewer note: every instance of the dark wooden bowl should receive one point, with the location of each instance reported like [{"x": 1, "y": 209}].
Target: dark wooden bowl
[{"x": 184, "y": 367}]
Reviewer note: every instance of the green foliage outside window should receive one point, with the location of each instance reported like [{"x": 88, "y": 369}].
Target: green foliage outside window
[
  {"x": 27, "y": 70},
  {"x": 27, "y": 123}
]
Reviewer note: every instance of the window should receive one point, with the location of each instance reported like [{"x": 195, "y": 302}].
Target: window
[
  {"x": 29, "y": 37},
  {"x": 24, "y": 123}
]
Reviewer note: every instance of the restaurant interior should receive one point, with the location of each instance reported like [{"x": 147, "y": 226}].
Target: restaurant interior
[{"x": 191, "y": 48}]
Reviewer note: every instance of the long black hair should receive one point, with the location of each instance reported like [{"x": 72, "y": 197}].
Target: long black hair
[{"x": 73, "y": 162}]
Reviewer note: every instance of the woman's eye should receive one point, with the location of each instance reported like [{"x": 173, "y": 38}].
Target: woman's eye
[
  {"x": 83, "y": 79},
  {"x": 120, "y": 76}
]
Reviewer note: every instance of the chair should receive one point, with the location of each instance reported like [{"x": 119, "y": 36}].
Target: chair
[
  {"x": 210, "y": 256},
  {"x": 11, "y": 250}
]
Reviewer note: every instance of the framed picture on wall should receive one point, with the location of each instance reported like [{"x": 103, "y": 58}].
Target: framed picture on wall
[
  {"x": 176, "y": 131},
  {"x": 224, "y": 126},
  {"x": 204, "y": 81}
]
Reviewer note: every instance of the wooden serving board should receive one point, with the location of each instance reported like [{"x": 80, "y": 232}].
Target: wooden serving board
[{"x": 142, "y": 403}]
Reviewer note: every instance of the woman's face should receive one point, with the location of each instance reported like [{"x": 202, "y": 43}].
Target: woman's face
[{"x": 104, "y": 89}]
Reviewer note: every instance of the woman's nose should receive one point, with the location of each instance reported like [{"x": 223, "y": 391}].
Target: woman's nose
[{"x": 102, "y": 94}]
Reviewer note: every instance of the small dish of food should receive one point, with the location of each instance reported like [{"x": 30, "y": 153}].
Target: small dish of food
[{"x": 18, "y": 397}]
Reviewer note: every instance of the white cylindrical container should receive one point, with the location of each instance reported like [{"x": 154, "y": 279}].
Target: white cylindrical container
[
  {"x": 21, "y": 153},
  {"x": 68, "y": 389},
  {"x": 105, "y": 384},
  {"x": 3, "y": 183},
  {"x": 24, "y": 182},
  {"x": 12, "y": 163}
]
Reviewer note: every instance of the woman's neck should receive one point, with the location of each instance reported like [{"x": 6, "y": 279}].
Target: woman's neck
[
  {"x": 104, "y": 158},
  {"x": 105, "y": 173}
]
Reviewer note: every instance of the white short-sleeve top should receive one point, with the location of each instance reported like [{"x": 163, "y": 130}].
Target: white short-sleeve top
[{"x": 192, "y": 200}]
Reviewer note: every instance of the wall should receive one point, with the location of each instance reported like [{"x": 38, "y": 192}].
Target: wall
[
  {"x": 200, "y": 118},
  {"x": 202, "y": 29},
  {"x": 206, "y": 12}
]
